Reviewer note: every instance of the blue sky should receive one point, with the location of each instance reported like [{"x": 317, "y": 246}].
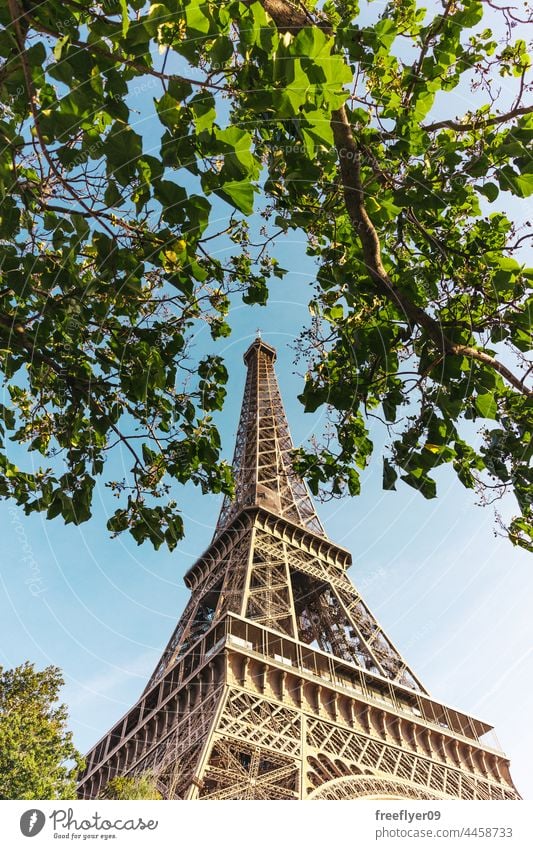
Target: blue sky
[{"x": 455, "y": 599}]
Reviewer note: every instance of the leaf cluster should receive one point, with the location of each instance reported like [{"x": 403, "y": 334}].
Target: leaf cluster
[
  {"x": 325, "y": 123},
  {"x": 37, "y": 757}
]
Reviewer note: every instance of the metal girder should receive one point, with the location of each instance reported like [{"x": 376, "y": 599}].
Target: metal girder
[{"x": 262, "y": 460}]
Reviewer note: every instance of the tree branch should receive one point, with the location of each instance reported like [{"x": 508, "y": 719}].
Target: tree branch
[
  {"x": 354, "y": 201},
  {"x": 288, "y": 18},
  {"x": 461, "y": 127},
  {"x": 14, "y": 11}
]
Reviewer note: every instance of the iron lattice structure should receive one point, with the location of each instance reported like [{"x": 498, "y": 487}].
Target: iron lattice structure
[{"x": 278, "y": 682}]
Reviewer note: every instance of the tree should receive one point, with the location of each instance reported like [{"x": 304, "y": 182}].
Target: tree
[
  {"x": 126, "y": 787},
  {"x": 37, "y": 757},
  {"x": 321, "y": 120}
]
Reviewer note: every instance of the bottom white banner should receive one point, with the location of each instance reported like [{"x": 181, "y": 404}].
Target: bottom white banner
[{"x": 354, "y": 824}]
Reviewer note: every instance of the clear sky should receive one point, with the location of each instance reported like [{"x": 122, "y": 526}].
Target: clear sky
[{"x": 456, "y": 600}]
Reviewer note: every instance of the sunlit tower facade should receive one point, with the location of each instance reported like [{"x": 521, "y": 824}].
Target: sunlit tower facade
[{"x": 278, "y": 682}]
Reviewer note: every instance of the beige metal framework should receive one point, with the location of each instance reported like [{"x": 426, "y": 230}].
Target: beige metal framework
[{"x": 278, "y": 682}]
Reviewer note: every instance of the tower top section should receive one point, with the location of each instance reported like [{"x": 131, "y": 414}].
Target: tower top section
[
  {"x": 262, "y": 462},
  {"x": 259, "y": 345}
]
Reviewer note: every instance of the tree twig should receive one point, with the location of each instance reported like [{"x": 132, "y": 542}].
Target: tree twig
[{"x": 465, "y": 127}]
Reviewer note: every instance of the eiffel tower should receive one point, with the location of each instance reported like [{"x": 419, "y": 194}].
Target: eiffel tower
[{"x": 278, "y": 682}]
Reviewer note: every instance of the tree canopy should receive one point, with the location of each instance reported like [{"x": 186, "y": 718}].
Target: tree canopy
[
  {"x": 126, "y": 787},
  {"x": 37, "y": 757},
  {"x": 130, "y": 129}
]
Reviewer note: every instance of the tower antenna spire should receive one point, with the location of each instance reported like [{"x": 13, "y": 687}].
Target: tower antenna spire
[{"x": 262, "y": 462}]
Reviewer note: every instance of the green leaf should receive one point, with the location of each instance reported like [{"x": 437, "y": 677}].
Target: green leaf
[
  {"x": 519, "y": 184},
  {"x": 238, "y": 194},
  {"x": 112, "y": 195},
  {"x": 490, "y": 190},
  {"x": 122, "y": 147},
  {"x": 390, "y": 475},
  {"x": 423, "y": 104},
  {"x": 172, "y": 197},
  {"x": 125, "y": 17},
  {"x": 311, "y": 42},
  {"x": 203, "y": 107},
  {"x": 422, "y": 482},
  {"x": 386, "y": 32},
  {"x": 169, "y": 111},
  {"x": 238, "y": 157},
  {"x": 486, "y": 405},
  {"x": 197, "y": 19}
]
